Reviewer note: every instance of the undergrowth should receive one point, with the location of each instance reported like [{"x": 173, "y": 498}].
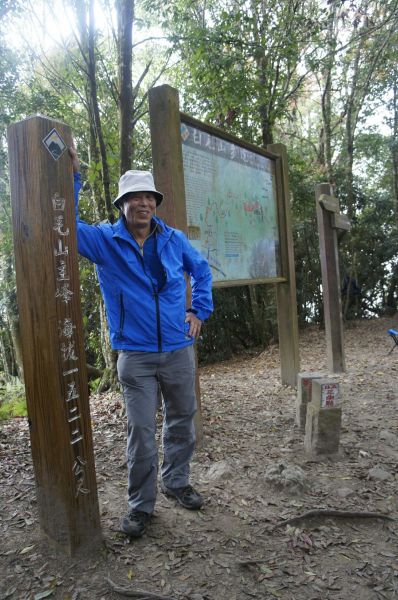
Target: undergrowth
[{"x": 12, "y": 400}]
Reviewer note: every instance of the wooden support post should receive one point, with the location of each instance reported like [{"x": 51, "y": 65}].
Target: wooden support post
[
  {"x": 329, "y": 220},
  {"x": 286, "y": 292},
  {"x": 168, "y": 173},
  {"x": 52, "y": 334}
]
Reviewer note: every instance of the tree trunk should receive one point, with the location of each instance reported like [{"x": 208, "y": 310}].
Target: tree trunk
[
  {"x": 351, "y": 121},
  {"x": 267, "y": 136},
  {"x": 10, "y": 298},
  {"x": 94, "y": 156},
  {"x": 391, "y": 296},
  {"x": 125, "y": 13},
  {"x": 4, "y": 359},
  {"x": 17, "y": 345},
  {"x": 263, "y": 75},
  {"x": 109, "y": 377},
  {"x": 394, "y": 142},
  {"x": 368, "y": 55},
  {"x": 96, "y": 113},
  {"x": 326, "y": 101},
  {"x": 97, "y": 151},
  {"x": 87, "y": 47},
  {"x": 256, "y": 312}
]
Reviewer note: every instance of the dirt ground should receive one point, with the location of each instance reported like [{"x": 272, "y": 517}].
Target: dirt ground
[{"x": 228, "y": 550}]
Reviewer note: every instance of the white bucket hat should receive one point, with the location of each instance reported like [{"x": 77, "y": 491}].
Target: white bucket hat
[{"x": 137, "y": 181}]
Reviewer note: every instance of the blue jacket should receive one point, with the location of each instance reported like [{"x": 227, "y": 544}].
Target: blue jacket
[{"x": 139, "y": 317}]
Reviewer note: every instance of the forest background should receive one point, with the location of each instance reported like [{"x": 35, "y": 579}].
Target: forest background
[{"x": 320, "y": 76}]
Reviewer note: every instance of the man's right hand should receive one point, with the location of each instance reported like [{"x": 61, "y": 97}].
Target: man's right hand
[{"x": 75, "y": 159}]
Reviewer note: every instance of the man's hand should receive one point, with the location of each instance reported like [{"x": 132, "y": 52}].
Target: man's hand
[
  {"x": 195, "y": 325},
  {"x": 75, "y": 159}
]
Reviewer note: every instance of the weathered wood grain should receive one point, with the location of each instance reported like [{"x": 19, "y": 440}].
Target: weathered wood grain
[
  {"x": 286, "y": 297},
  {"x": 330, "y": 282},
  {"x": 64, "y": 468},
  {"x": 169, "y": 179}
]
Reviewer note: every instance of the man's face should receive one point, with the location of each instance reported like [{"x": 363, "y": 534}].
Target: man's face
[{"x": 138, "y": 208}]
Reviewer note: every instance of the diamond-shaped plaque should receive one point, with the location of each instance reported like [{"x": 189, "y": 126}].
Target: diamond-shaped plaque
[{"x": 54, "y": 144}]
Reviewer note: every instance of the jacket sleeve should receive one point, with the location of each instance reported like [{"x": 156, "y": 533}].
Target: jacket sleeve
[
  {"x": 90, "y": 242},
  {"x": 197, "y": 267}
]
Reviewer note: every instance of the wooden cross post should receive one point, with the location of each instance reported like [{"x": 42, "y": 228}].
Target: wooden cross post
[
  {"x": 52, "y": 333},
  {"x": 329, "y": 221}
]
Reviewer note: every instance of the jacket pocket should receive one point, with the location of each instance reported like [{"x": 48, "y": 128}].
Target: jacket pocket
[{"x": 121, "y": 315}]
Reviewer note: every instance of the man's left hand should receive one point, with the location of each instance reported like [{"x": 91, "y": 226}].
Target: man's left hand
[{"x": 195, "y": 325}]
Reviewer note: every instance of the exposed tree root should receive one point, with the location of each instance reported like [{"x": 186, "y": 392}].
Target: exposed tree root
[
  {"x": 328, "y": 512},
  {"x": 135, "y": 593}
]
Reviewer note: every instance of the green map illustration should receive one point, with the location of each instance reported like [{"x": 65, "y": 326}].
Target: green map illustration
[{"x": 231, "y": 206}]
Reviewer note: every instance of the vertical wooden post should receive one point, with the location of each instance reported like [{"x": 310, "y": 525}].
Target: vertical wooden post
[
  {"x": 51, "y": 329},
  {"x": 286, "y": 292},
  {"x": 330, "y": 283},
  {"x": 168, "y": 173}
]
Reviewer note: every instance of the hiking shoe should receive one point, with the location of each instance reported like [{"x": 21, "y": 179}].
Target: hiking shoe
[
  {"x": 186, "y": 496},
  {"x": 134, "y": 523}
]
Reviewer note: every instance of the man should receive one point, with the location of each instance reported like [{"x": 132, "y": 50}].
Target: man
[{"x": 141, "y": 264}]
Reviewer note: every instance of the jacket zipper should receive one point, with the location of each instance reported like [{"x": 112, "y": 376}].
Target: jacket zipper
[
  {"x": 160, "y": 258},
  {"x": 155, "y": 293},
  {"x": 156, "y": 296},
  {"x": 122, "y": 315}
]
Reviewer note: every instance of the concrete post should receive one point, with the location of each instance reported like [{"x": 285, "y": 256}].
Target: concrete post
[
  {"x": 323, "y": 421},
  {"x": 304, "y": 396}
]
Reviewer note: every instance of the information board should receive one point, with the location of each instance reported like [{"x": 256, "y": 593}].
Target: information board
[{"x": 231, "y": 206}]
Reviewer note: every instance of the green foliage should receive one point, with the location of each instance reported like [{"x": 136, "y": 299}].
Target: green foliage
[
  {"x": 370, "y": 251},
  {"x": 90, "y": 295},
  {"x": 243, "y": 59},
  {"x": 12, "y": 400},
  {"x": 258, "y": 69},
  {"x": 93, "y": 384},
  {"x": 302, "y": 177},
  {"x": 244, "y": 320}
]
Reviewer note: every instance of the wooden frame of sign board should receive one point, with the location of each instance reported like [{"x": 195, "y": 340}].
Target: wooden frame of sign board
[{"x": 165, "y": 122}]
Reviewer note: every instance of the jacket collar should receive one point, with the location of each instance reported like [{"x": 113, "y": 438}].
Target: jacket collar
[{"x": 164, "y": 232}]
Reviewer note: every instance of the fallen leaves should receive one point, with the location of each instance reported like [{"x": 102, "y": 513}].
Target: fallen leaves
[
  {"x": 44, "y": 594},
  {"x": 248, "y": 420},
  {"x": 27, "y": 549}
]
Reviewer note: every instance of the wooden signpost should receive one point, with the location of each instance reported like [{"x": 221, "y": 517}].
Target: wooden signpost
[
  {"x": 329, "y": 221},
  {"x": 51, "y": 330},
  {"x": 166, "y": 134}
]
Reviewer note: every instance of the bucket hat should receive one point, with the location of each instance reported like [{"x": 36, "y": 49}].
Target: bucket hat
[{"x": 137, "y": 181}]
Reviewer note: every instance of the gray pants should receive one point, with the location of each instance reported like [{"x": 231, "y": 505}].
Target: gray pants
[{"x": 140, "y": 374}]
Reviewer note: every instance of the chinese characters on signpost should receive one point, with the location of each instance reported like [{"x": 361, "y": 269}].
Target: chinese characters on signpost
[
  {"x": 330, "y": 395},
  {"x": 66, "y": 329}
]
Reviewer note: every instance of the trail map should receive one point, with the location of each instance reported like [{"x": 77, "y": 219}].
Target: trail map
[{"x": 231, "y": 206}]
